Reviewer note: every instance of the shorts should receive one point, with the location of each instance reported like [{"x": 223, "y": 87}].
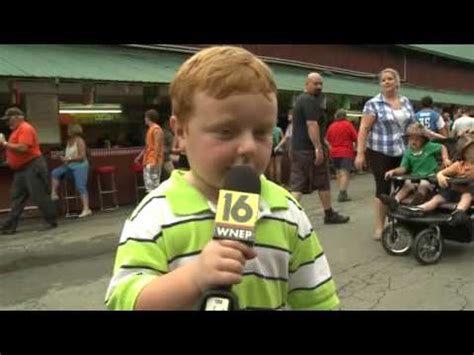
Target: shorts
[
  {"x": 343, "y": 164},
  {"x": 151, "y": 177},
  {"x": 450, "y": 195},
  {"x": 380, "y": 164},
  {"x": 78, "y": 171},
  {"x": 305, "y": 176}
]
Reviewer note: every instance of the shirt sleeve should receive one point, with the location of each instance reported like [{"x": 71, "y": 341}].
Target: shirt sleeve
[
  {"x": 139, "y": 260},
  {"x": 435, "y": 148},
  {"x": 27, "y": 136},
  {"x": 369, "y": 109},
  {"x": 310, "y": 284},
  {"x": 440, "y": 123},
  {"x": 312, "y": 110}
]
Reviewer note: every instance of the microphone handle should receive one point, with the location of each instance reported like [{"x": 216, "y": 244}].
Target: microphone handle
[{"x": 220, "y": 298}]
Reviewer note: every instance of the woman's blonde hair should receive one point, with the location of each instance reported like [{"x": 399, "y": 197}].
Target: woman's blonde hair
[
  {"x": 393, "y": 72},
  {"x": 219, "y": 72},
  {"x": 74, "y": 130}
]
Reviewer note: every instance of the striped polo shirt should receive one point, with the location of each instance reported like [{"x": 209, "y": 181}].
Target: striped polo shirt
[{"x": 174, "y": 223}]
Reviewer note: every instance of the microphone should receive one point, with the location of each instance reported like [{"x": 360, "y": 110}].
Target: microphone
[{"x": 236, "y": 216}]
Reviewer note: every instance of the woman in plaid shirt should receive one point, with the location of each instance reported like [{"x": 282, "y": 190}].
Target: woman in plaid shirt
[{"x": 386, "y": 117}]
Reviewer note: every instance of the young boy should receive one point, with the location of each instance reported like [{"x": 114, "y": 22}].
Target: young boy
[
  {"x": 341, "y": 136},
  {"x": 420, "y": 160},
  {"x": 224, "y": 108},
  {"x": 459, "y": 194}
]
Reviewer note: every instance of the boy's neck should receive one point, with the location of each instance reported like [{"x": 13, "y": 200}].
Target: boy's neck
[{"x": 209, "y": 192}]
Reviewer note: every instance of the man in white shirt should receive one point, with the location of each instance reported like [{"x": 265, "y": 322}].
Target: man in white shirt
[{"x": 463, "y": 123}]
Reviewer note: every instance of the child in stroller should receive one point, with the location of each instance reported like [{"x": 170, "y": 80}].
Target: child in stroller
[
  {"x": 460, "y": 193},
  {"x": 419, "y": 161}
]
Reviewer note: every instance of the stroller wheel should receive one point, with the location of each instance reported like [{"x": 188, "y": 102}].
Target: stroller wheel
[
  {"x": 428, "y": 246},
  {"x": 397, "y": 239}
]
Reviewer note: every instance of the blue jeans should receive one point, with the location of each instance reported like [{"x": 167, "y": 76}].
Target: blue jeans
[{"x": 80, "y": 172}]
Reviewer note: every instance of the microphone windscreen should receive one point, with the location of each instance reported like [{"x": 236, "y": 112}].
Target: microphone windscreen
[{"x": 242, "y": 178}]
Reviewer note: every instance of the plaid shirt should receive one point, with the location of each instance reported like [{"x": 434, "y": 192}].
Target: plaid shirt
[{"x": 386, "y": 136}]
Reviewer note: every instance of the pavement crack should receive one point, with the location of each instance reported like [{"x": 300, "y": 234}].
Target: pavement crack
[{"x": 461, "y": 295}]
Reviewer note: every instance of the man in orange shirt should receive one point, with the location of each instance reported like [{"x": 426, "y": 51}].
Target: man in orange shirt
[
  {"x": 153, "y": 153},
  {"x": 30, "y": 178}
]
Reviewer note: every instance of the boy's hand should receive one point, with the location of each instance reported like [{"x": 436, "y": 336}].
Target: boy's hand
[
  {"x": 447, "y": 162},
  {"x": 388, "y": 174},
  {"x": 442, "y": 180},
  {"x": 221, "y": 263}
]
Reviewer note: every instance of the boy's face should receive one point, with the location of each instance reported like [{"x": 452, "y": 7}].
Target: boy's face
[
  {"x": 469, "y": 154},
  {"x": 416, "y": 143},
  {"x": 219, "y": 134}
]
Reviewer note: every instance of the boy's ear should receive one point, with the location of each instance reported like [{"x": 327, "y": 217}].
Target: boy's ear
[
  {"x": 172, "y": 122},
  {"x": 177, "y": 127}
]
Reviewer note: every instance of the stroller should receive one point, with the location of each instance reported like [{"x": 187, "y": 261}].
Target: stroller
[{"x": 425, "y": 234}]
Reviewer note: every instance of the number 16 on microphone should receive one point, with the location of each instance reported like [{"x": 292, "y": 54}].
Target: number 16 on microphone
[{"x": 236, "y": 216}]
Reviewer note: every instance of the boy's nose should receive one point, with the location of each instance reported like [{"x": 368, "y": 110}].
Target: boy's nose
[{"x": 247, "y": 145}]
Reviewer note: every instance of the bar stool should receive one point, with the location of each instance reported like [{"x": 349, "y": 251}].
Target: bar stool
[
  {"x": 70, "y": 197},
  {"x": 137, "y": 170},
  {"x": 103, "y": 172}
]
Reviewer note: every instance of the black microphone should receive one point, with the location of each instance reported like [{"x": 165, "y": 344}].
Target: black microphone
[{"x": 236, "y": 216}]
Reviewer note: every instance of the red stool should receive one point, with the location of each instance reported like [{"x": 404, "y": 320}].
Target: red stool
[
  {"x": 137, "y": 170},
  {"x": 104, "y": 171}
]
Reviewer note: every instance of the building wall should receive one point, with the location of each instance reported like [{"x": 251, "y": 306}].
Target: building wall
[{"x": 421, "y": 69}]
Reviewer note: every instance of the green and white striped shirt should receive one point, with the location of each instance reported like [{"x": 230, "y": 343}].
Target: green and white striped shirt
[{"x": 173, "y": 224}]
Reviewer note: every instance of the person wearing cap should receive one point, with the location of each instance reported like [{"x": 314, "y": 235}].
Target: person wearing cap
[
  {"x": 419, "y": 160},
  {"x": 460, "y": 194},
  {"x": 30, "y": 178}
]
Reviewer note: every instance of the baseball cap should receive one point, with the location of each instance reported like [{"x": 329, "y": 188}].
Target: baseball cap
[{"x": 12, "y": 111}]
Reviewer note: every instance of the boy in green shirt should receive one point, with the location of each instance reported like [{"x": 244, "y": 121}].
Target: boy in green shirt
[
  {"x": 419, "y": 160},
  {"x": 224, "y": 108}
]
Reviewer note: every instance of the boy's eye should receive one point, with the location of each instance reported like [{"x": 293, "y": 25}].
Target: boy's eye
[{"x": 263, "y": 133}]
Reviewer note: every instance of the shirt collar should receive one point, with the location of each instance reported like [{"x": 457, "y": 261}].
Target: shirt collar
[
  {"x": 381, "y": 98},
  {"x": 181, "y": 190}
]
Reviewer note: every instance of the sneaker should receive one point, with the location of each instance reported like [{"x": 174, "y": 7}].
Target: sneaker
[
  {"x": 7, "y": 230},
  {"x": 342, "y": 197},
  {"x": 336, "y": 218},
  {"x": 390, "y": 202},
  {"x": 85, "y": 213},
  {"x": 54, "y": 196},
  {"x": 458, "y": 217}
]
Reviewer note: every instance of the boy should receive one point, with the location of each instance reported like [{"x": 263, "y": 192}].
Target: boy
[
  {"x": 458, "y": 194},
  {"x": 224, "y": 108},
  {"x": 341, "y": 137},
  {"x": 420, "y": 160}
]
